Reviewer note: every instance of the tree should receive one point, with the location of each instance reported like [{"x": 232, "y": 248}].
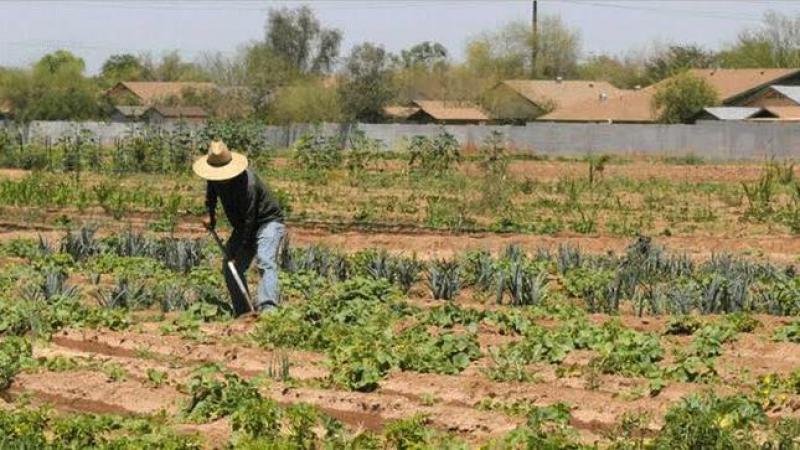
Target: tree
[
  {"x": 305, "y": 102},
  {"x": 681, "y": 97},
  {"x": 624, "y": 73},
  {"x": 54, "y": 89},
  {"x": 423, "y": 72},
  {"x": 507, "y": 52},
  {"x": 427, "y": 55},
  {"x": 775, "y": 44},
  {"x": 297, "y": 36},
  {"x": 122, "y": 67},
  {"x": 366, "y": 85},
  {"x": 59, "y": 62},
  {"x": 676, "y": 59},
  {"x": 264, "y": 73},
  {"x": 224, "y": 70},
  {"x": 171, "y": 67},
  {"x": 498, "y": 55},
  {"x": 558, "y": 49}
]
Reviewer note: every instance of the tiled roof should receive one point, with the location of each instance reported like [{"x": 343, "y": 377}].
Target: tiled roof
[
  {"x": 399, "y": 112},
  {"x": 635, "y": 106},
  {"x": 150, "y": 91},
  {"x": 446, "y": 110},
  {"x": 561, "y": 93}
]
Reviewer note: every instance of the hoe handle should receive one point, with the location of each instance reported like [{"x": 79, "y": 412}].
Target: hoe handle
[{"x": 232, "y": 268}]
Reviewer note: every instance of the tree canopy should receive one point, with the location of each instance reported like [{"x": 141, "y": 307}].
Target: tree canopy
[
  {"x": 294, "y": 71},
  {"x": 680, "y": 98},
  {"x": 366, "y": 85}
]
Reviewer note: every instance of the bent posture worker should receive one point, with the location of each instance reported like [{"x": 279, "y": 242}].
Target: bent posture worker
[{"x": 256, "y": 217}]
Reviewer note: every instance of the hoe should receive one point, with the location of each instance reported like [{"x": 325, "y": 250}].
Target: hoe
[{"x": 232, "y": 268}]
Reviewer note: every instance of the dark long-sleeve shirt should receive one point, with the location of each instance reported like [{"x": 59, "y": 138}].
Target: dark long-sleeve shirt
[{"x": 247, "y": 201}]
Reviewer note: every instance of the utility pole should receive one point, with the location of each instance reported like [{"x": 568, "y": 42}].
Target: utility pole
[{"x": 534, "y": 38}]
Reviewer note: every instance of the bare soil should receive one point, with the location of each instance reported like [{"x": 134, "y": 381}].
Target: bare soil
[{"x": 451, "y": 401}]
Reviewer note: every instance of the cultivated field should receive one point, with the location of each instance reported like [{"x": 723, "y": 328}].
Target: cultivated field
[{"x": 618, "y": 303}]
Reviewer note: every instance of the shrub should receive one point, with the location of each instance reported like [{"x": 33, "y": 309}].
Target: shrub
[
  {"x": 681, "y": 97},
  {"x": 434, "y": 156},
  {"x": 315, "y": 152}
]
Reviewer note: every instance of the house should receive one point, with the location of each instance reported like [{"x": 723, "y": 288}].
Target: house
[
  {"x": 735, "y": 87},
  {"x": 447, "y": 112},
  {"x": 153, "y": 92},
  {"x": 165, "y": 115},
  {"x": 399, "y": 113},
  {"x": 127, "y": 114},
  {"x": 784, "y": 113},
  {"x": 524, "y": 100},
  {"x": 777, "y": 95},
  {"x": 733, "y": 113}
]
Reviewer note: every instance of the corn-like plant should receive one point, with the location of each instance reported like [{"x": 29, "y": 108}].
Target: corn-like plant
[
  {"x": 480, "y": 270},
  {"x": 174, "y": 299},
  {"x": 568, "y": 257},
  {"x": 81, "y": 244},
  {"x": 405, "y": 272},
  {"x": 132, "y": 243},
  {"x": 444, "y": 279},
  {"x": 320, "y": 260},
  {"x": 44, "y": 248},
  {"x": 125, "y": 295},
  {"x": 523, "y": 286},
  {"x": 52, "y": 287},
  {"x": 380, "y": 265},
  {"x": 181, "y": 255}
]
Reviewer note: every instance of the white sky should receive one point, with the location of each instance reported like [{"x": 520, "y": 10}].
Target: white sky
[{"x": 96, "y": 29}]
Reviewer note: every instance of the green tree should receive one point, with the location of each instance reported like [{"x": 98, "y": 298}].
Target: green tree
[
  {"x": 423, "y": 72},
  {"x": 171, "y": 67},
  {"x": 681, "y": 97},
  {"x": 776, "y": 43},
  {"x": 676, "y": 59},
  {"x": 264, "y": 73},
  {"x": 507, "y": 52},
  {"x": 366, "y": 83},
  {"x": 122, "y": 67},
  {"x": 427, "y": 55},
  {"x": 625, "y": 73},
  {"x": 54, "y": 89},
  {"x": 298, "y": 37},
  {"x": 308, "y": 101}
]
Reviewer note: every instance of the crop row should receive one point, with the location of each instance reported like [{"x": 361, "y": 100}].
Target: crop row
[{"x": 648, "y": 278}]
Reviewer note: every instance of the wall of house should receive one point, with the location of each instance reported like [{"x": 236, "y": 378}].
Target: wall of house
[
  {"x": 508, "y": 106},
  {"x": 712, "y": 140},
  {"x": 771, "y": 98}
]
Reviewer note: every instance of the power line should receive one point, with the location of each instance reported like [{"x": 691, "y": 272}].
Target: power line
[{"x": 661, "y": 10}]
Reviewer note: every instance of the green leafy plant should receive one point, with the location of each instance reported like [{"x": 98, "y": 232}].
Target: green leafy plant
[
  {"x": 314, "y": 152},
  {"x": 435, "y": 155},
  {"x": 12, "y": 351}
]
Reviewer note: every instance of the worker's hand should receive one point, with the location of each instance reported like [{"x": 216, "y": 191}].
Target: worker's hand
[{"x": 209, "y": 222}]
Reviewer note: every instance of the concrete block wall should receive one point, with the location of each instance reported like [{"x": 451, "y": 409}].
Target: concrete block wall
[{"x": 709, "y": 140}]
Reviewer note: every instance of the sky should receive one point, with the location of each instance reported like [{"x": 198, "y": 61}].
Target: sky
[{"x": 96, "y": 29}]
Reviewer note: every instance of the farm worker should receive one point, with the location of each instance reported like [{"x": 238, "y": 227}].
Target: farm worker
[{"x": 256, "y": 217}]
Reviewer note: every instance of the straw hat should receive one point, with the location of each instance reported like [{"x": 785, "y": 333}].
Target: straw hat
[{"x": 220, "y": 163}]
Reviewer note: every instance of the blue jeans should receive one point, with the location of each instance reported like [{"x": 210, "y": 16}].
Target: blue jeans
[{"x": 264, "y": 248}]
